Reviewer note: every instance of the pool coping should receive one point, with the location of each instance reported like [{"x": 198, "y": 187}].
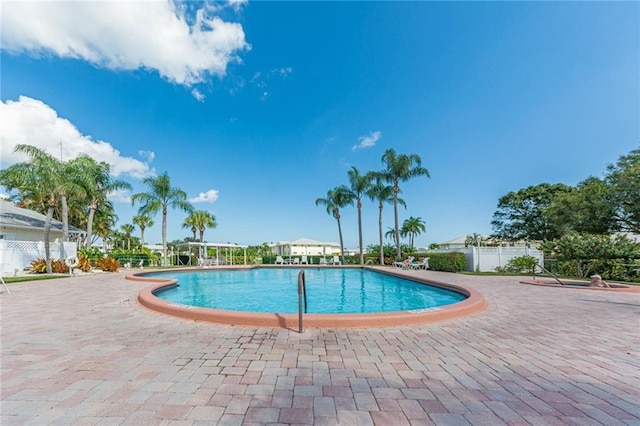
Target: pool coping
[
  {"x": 475, "y": 302},
  {"x": 618, "y": 288}
]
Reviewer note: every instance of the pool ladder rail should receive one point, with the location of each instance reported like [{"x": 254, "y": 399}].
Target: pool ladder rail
[{"x": 302, "y": 298}]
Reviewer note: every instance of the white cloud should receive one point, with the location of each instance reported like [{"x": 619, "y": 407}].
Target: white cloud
[
  {"x": 147, "y": 155},
  {"x": 205, "y": 197},
  {"x": 282, "y": 72},
  {"x": 198, "y": 95},
  {"x": 264, "y": 96},
  {"x": 35, "y": 123},
  {"x": 368, "y": 141},
  {"x": 120, "y": 196},
  {"x": 184, "y": 45}
]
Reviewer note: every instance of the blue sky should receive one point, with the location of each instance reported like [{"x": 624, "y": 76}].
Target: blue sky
[{"x": 256, "y": 109}]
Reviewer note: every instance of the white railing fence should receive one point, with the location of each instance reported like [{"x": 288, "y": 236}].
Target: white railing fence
[
  {"x": 15, "y": 256},
  {"x": 487, "y": 259}
]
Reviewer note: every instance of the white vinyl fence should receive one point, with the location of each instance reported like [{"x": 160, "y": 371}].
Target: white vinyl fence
[
  {"x": 487, "y": 259},
  {"x": 15, "y": 256}
]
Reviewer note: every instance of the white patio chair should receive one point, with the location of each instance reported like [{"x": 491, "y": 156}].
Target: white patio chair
[
  {"x": 279, "y": 260},
  {"x": 423, "y": 264},
  {"x": 304, "y": 260},
  {"x": 295, "y": 261},
  {"x": 335, "y": 260},
  {"x": 323, "y": 261}
]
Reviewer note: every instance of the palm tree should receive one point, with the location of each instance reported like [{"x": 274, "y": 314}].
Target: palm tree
[
  {"x": 160, "y": 197},
  {"x": 143, "y": 223},
  {"x": 127, "y": 229},
  {"x": 383, "y": 194},
  {"x": 189, "y": 222},
  {"x": 336, "y": 199},
  {"x": 360, "y": 184},
  {"x": 412, "y": 227},
  {"x": 97, "y": 183},
  {"x": 39, "y": 181},
  {"x": 474, "y": 239},
  {"x": 400, "y": 168},
  {"x": 200, "y": 220}
]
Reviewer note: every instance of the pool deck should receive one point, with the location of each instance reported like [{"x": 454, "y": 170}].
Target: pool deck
[{"x": 83, "y": 351}]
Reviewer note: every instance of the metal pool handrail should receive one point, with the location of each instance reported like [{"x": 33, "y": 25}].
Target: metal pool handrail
[
  {"x": 302, "y": 297},
  {"x": 547, "y": 271}
]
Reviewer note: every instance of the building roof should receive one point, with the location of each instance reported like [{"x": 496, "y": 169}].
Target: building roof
[
  {"x": 306, "y": 242},
  {"x": 12, "y": 216}
]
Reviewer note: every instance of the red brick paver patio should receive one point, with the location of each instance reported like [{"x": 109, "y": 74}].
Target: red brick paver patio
[{"x": 82, "y": 350}]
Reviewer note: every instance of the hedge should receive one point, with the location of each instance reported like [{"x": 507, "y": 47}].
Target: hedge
[{"x": 447, "y": 262}]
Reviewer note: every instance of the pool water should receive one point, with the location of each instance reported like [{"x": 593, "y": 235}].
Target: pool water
[{"x": 329, "y": 290}]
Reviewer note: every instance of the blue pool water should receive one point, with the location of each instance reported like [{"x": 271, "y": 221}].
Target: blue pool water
[{"x": 329, "y": 290}]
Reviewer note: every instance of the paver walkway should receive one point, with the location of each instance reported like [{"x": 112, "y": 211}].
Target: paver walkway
[{"x": 82, "y": 351}]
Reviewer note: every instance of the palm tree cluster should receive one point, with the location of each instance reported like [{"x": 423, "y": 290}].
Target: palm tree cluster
[
  {"x": 382, "y": 186},
  {"x": 74, "y": 191}
]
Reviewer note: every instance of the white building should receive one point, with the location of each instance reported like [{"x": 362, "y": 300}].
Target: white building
[
  {"x": 22, "y": 235},
  {"x": 304, "y": 246}
]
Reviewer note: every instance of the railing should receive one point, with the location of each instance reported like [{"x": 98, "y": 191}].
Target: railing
[
  {"x": 302, "y": 298},
  {"x": 547, "y": 271}
]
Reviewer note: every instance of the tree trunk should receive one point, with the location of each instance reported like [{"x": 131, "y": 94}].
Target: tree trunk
[
  {"x": 47, "y": 236},
  {"x": 92, "y": 212},
  {"x": 65, "y": 216},
  {"x": 142, "y": 236},
  {"x": 395, "y": 212},
  {"x": 201, "y": 235},
  {"x": 380, "y": 234},
  {"x": 164, "y": 235},
  {"x": 340, "y": 234},
  {"x": 360, "y": 230}
]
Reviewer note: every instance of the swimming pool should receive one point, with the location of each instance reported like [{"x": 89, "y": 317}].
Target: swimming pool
[
  {"x": 329, "y": 290},
  {"x": 160, "y": 282}
]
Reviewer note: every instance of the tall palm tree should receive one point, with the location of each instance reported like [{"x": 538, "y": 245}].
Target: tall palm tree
[
  {"x": 336, "y": 199},
  {"x": 190, "y": 223},
  {"x": 143, "y": 223},
  {"x": 40, "y": 180},
  {"x": 412, "y": 227},
  {"x": 160, "y": 197},
  {"x": 400, "y": 168},
  {"x": 97, "y": 184},
  {"x": 383, "y": 194},
  {"x": 127, "y": 229},
  {"x": 360, "y": 184},
  {"x": 201, "y": 220}
]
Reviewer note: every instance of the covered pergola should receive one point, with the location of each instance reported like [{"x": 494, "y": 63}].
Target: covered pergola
[{"x": 202, "y": 251}]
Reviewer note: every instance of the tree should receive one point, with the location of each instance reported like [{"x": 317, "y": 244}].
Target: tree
[
  {"x": 40, "y": 180},
  {"x": 623, "y": 182},
  {"x": 359, "y": 185},
  {"x": 382, "y": 193},
  {"x": 522, "y": 215},
  {"x": 584, "y": 208},
  {"x": 127, "y": 229},
  {"x": 336, "y": 199},
  {"x": 160, "y": 197},
  {"x": 400, "y": 168},
  {"x": 189, "y": 223},
  {"x": 143, "y": 223},
  {"x": 412, "y": 227},
  {"x": 200, "y": 220},
  {"x": 474, "y": 239},
  {"x": 97, "y": 183}
]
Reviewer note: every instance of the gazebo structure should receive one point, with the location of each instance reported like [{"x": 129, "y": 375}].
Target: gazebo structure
[{"x": 218, "y": 260}]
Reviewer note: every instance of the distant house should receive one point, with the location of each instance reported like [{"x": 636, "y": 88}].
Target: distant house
[
  {"x": 487, "y": 240},
  {"x": 22, "y": 238},
  {"x": 20, "y": 224},
  {"x": 304, "y": 246}
]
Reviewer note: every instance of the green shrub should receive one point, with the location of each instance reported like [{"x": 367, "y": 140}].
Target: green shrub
[
  {"x": 447, "y": 262},
  {"x": 522, "y": 264}
]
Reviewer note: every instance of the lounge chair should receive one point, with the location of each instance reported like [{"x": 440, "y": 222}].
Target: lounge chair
[
  {"x": 304, "y": 260},
  {"x": 335, "y": 260},
  {"x": 295, "y": 261},
  {"x": 323, "y": 261},
  {"x": 423, "y": 264},
  {"x": 405, "y": 264},
  {"x": 279, "y": 260}
]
